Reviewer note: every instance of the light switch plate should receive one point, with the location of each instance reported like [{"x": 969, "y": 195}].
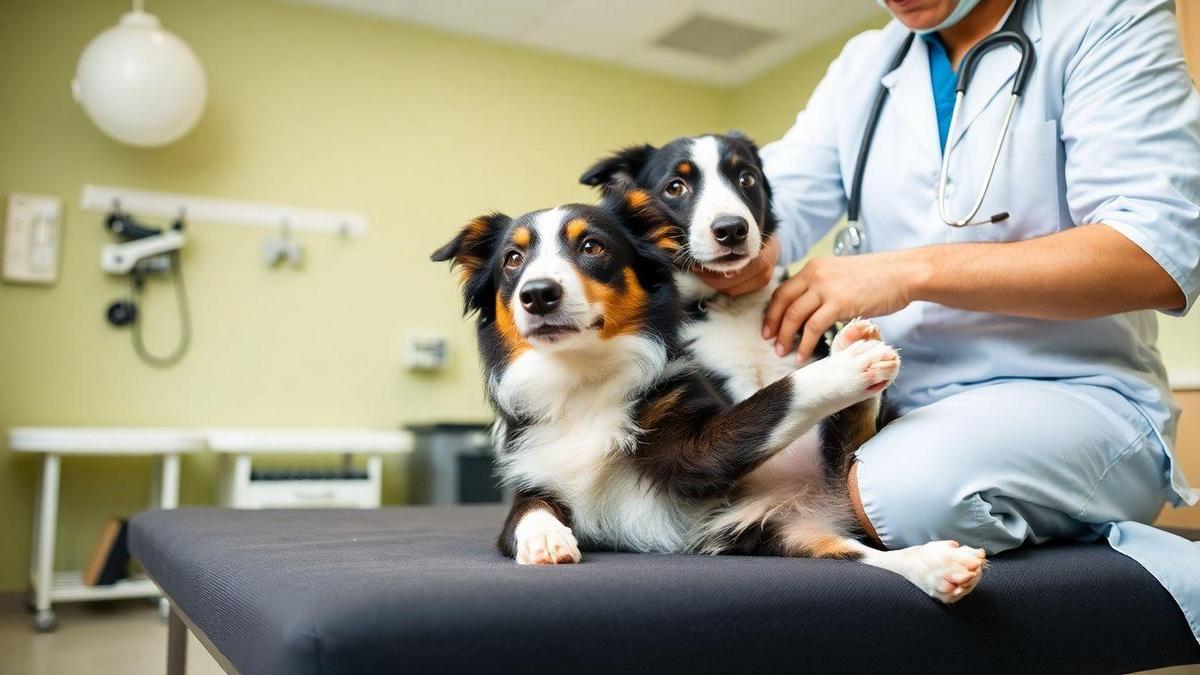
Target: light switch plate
[
  {"x": 32, "y": 239},
  {"x": 426, "y": 352}
]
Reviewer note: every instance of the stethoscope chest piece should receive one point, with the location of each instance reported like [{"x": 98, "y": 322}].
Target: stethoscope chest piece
[{"x": 849, "y": 241}]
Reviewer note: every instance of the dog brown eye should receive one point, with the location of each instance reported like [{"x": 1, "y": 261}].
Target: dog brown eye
[
  {"x": 675, "y": 188},
  {"x": 513, "y": 260},
  {"x": 747, "y": 180},
  {"x": 593, "y": 247}
]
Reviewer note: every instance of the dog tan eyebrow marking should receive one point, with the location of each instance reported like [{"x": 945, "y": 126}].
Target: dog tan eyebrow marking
[
  {"x": 637, "y": 198},
  {"x": 575, "y": 227},
  {"x": 522, "y": 237},
  {"x": 685, "y": 168}
]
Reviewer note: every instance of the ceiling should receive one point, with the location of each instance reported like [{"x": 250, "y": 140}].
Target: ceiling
[{"x": 763, "y": 32}]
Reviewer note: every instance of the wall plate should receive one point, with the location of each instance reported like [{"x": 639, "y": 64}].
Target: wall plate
[
  {"x": 428, "y": 352},
  {"x": 32, "y": 239}
]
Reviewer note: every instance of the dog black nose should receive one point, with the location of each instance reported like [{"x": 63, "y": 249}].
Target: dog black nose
[
  {"x": 541, "y": 296},
  {"x": 730, "y": 230}
]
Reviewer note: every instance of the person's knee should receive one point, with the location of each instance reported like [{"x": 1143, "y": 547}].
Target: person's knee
[{"x": 903, "y": 513}]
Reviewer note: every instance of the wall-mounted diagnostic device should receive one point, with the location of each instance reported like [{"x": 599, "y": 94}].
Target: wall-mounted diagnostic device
[{"x": 145, "y": 251}]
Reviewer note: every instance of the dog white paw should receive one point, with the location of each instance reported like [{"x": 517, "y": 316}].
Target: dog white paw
[
  {"x": 863, "y": 367},
  {"x": 542, "y": 540},
  {"x": 946, "y": 570},
  {"x": 854, "y": 331}
]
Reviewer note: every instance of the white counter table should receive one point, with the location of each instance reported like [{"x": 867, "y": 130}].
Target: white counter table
[{"x": 54, "y": 443}]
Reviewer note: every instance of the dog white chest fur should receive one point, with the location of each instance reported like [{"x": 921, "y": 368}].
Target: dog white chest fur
[
  {"x": 728, "y": 342},
  {"x": 581, "y": 445}
]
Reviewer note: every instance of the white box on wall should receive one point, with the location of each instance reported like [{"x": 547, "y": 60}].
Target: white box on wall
[{"x": 32, "y": 239}]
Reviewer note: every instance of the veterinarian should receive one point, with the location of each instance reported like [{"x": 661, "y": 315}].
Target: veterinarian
[{"x": 1034, "y": 404}]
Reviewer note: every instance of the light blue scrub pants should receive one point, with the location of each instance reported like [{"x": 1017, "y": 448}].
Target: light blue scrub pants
[{"x": 1026, "y": 461}]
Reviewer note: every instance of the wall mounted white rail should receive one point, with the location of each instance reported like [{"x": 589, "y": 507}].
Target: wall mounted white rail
[{"x": 102, "y": 199}]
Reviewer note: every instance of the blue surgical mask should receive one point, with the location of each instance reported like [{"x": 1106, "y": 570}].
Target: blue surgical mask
[{"x": 964, "y": 8}]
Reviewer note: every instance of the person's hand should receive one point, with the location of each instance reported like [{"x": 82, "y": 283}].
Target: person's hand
[
  {"x": 828, "y": 290},
  {"x": 756, "y": 274}
]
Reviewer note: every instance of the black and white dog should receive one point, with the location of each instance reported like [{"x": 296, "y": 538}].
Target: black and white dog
[
  {"x": 714, "y": 190},
  {"x": 610, "y": 434}
]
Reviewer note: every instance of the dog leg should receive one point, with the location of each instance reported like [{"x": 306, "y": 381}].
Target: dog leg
[
  {"x": 853, "y": 374},
  {"x": 698, "y": 446},
  {"x": 844, "y": 432},
  {"x": 800, "y": 539},
  {"x": 536, "y": 533},
  {"x": 945, "y": 570}
]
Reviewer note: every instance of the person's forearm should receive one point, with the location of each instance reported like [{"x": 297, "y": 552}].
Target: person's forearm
[{"x": 1080, "y": 273}]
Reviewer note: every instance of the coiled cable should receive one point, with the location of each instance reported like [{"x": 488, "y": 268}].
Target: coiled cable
[{"x": 185, "y": 319}]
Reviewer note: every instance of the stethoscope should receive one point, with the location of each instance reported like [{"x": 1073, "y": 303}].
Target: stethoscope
[{"x": 852, "y": 237}]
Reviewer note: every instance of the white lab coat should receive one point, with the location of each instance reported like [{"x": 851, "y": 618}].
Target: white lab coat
[{"x": 1108, "y": 132}]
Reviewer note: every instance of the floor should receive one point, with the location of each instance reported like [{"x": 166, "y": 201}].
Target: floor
[
  {"x": 123, "y": 638},
  {"x": 115, "y": 638}
]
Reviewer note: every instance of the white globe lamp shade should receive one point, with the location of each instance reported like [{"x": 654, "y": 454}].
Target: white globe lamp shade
[{"x": 139, "y": 83}]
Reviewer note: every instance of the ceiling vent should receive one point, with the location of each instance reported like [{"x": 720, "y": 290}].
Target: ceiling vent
[{"x": 714, "y": 38}]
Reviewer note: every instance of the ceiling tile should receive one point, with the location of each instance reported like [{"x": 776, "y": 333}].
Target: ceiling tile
[
  {"x": 635, "y": 20},
  {"x": 623, "y": 31},
  {"x": 773, "y": 15}
]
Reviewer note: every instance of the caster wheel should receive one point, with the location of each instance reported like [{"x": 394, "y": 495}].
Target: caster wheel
[{"x": 45, "y": 621}]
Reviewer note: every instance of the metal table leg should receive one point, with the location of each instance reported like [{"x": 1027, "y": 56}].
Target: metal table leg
[
  {"x": 169, "y": 482},
  {"x": 168, "y": 498},
  {"x": 176, "y": 644},
  {"x": 375, "y": 477},
  {"x": 239, "y": 479},
  {"x": 44, "y": 539}
]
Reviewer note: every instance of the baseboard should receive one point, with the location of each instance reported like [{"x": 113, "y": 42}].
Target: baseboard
[{"x": 1184, "y": 379}]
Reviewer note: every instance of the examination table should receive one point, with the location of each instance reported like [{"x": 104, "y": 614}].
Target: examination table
[{"x": 423, "y": 590}]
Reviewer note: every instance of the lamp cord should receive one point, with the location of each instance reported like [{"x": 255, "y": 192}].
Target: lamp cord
[{"x": 185, "y": 319}]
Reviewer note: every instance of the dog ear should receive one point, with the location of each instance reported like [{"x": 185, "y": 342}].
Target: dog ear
[
  {"x": 469, "y": 251},
  {"x": 619, "y": 170},
  {"x": 638, "y": 213},
  {"x": 738, "y": 137}
]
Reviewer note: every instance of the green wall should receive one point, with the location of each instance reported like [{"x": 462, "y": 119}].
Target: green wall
[{"x": 420, "y": 130}]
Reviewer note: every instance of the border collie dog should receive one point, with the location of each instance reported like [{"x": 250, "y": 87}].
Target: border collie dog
[
  {"x": 712, "y": 188},
  {"x": 611, "y": 435}
]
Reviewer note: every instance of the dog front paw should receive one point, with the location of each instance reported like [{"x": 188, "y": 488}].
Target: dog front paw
[
  {"x": 869, "y": 365},
  {"x": 855, "y": 331},
  {"x": 542, "y": 540}
]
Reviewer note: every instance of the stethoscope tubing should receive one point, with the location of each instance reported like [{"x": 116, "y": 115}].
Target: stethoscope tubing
[
  {"x": 1011, "y": 33},
  {"x": 943, "y": 179}
]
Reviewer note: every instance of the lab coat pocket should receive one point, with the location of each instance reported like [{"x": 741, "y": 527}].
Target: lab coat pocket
[{"x": 1026, "y": 184}]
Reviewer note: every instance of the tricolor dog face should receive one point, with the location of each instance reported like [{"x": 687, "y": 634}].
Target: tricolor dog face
[
  {"x": 713, "y": 185},
  {"x": 569, "y": 278}
]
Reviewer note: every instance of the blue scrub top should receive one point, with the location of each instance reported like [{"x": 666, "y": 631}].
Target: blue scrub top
[{"x": 944, "y": 80}]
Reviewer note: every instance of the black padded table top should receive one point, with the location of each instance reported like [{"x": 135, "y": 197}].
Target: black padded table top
[{"x": 422, "y": 589}]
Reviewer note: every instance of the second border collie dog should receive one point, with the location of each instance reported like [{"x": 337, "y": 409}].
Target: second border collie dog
[{"x": 610, "y": 435}]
